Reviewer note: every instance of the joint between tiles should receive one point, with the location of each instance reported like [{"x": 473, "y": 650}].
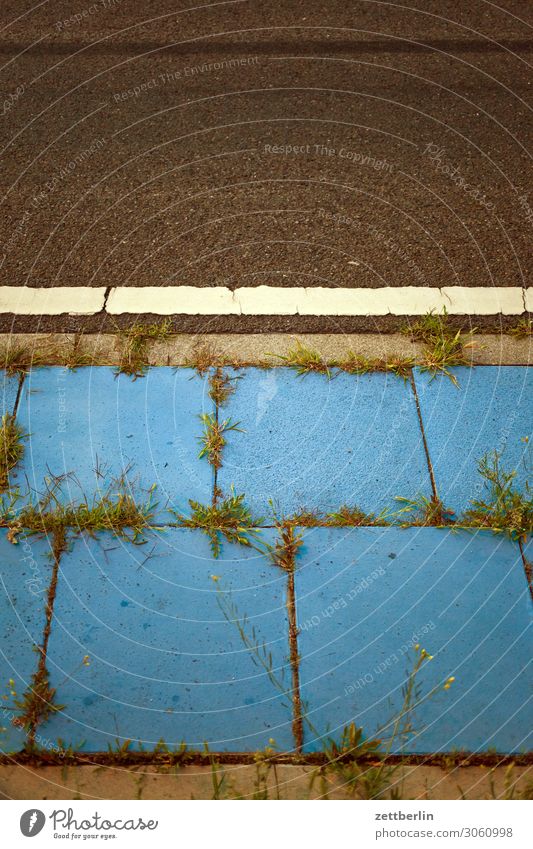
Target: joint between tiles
[
  {"x": 424, "y": 440},
  {"x": 285, "y": 556},
  {"x": 58, "y": 546},
  {"x": 22, "y": 376},
  {"x": 528, "y": 568}
]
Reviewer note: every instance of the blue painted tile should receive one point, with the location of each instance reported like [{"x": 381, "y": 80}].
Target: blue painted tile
[
  {"x": 164, "y": 661},
  {"x": 317, "y": 443},
  {"x": 365, "y": 596},
  {"x": 25, "y": 574},
  {"x": 88, "y": 419},
  {"x": 490, "y": 410},
  {"x": 9, "y": 389}
]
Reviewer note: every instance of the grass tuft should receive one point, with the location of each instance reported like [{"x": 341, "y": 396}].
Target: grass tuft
[
  {"x": 221, "y": 386},
  {"x": 229, "y": 518},
  {"x": 135, "y": 344},
  {"x": 424, "y": 512},
  {"x": 505, "y": 509},
  {"x": 345, "y": 516},
  {"x": 305, "y": 519},
  {"x": 354, "y": 517},
  {"x": 284, "y": 551},
  {"x": 358, "y": 364},
  {"x": 38, "y": 703},
  {"x": 113, "y": 510},
  {"x": 213, "y": 439},
  {"x": 523, "y": 329},
  {"x": 305, "y": 360},
  {"x": 19, "y": 360},
  {"x": 11, "y": 448},
  {"x": 444, "y": 347},
  {"x": 204, "y": 357},
  {"x": 75, "y": 359}
]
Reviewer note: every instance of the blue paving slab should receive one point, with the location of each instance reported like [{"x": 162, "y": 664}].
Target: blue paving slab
[
  {"x": 90, "y": 419},
  {"x": 491, "y": 409},
  {"x": 317, "y": 443},
  {"x": 164, "y": 661},
  {"x": 366, "y": 596},
  {"x": 8, "y": 392},
  {"x": 25, "y": 574}
]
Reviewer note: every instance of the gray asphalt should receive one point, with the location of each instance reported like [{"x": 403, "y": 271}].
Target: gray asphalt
[{"x": 244, "y": 143}]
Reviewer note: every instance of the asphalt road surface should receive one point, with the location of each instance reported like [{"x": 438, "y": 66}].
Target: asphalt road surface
[{"x": 246, "y": 143}]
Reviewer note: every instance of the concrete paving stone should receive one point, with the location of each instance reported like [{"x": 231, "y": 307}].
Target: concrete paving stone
[
  {"x": 8, "y": 390},
  {"x": 366, "y": 596},
  {"x": 88, "y": 420},
  {"x": 164, "y": 662},
  {"x": 25, "y": 574},
  {"x": 490, "y": 410},
  {"x": 255, "y": 348},
  {"x": 196, "y": 782},
  {"x": 317, "y": 443}
]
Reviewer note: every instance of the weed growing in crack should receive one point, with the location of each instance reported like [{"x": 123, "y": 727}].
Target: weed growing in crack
[
  {"x": 305, "y": 360},
  {"x": 522, "y": 330},
  {"x": 230, "y": 518},
  {"x": 343, "y": 763},
  {"x": 135, "y": 342},
  {"x": 114, "y": 510},
  {"x": 38, "y": 703},
  {"x": 205, "y": 357},
  {"x": 306, "y": 518},
  {"x": 360, "y": 766},
  {"x": 444, "y": 347},
  {"x": 75, "y": 359},
  {"x": 505, "y": 509},
  {"x": 347, "y": 516},
  {"x": 11, "y": 448},
  {"x": 19, "y": 360},
  {"x": 285, "y": 550},
  {"x": 213, "y": 439},
  {"x": 221, "y": 386},
  {"x": 424, "y": 512},
  {"x": 358, "y": 364}
]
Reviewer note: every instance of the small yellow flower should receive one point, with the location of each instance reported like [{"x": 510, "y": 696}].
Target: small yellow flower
[
  {"x": 215, "y": 578},
  {"x": 86, "y": 660},
  {"x": 447, "y": 686},
  {"x": 417, "y": 647},
  {"x": 451, "y": 679}
]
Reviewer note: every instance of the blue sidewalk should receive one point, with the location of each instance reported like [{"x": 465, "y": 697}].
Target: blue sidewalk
[{"x": 161, "y": 641}]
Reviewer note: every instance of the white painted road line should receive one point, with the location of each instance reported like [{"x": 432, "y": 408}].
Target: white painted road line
[
  {"x": 266, "y": 300},
  {"x": 287, "y": 300},
  {"x": 173, "y": 300},
  {"x": 74, "y": 300}
]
